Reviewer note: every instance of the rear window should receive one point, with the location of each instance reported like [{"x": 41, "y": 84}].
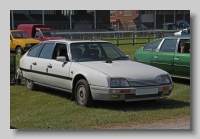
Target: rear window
[{"x": 35, "y": 50}]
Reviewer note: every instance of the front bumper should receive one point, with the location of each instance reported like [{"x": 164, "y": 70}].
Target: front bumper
[{"x": 132, "y": 93}]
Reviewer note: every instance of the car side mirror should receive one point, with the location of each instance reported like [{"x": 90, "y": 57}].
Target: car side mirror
[{"x": 61, "y": 58}]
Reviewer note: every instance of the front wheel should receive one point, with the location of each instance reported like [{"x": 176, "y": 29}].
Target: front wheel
[
  {"x": 19, "y": 51},
  {"x": 30, "y": 84},
  {"x": 83, "y": 95}
]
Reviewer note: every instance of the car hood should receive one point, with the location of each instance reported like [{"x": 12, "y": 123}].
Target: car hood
[
  {"x": 27, "y": 40},
  {"x": 126, "y": 69}
]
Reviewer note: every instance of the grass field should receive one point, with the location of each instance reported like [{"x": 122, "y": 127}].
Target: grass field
[{"x": 51, "y": 109}]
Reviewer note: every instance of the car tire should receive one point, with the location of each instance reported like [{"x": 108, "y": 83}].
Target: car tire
[
  {"x": 30, "y": 84},
  {"x": 19, "y": 51},
  {"x": 83, "y": 95}
]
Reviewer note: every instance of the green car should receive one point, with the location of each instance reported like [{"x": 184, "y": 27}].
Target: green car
[{"x": 171, "y": 54}]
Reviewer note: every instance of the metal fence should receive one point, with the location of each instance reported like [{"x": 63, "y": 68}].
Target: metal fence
[{"x": 132, "y": 37}]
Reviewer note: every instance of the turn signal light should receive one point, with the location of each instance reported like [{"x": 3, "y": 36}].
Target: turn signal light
[
  {"x": 125, "y": 91},
  {"x": 165, "y": 88}
]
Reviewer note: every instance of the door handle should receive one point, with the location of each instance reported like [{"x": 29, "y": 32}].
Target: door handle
[
  {"x": 49, "y": 66},
  {"x": 156, "y": 57},
  {"x": 176, "y": 58},
  {"x": 34, "y": 63}
]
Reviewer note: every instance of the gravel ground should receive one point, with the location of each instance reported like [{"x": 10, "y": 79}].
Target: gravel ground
[{"x": 182, "y": 123}]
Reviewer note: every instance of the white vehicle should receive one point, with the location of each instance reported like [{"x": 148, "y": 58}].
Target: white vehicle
[
  {"x": 92, "y": 70},
  {"x": 185, "y": 31}
]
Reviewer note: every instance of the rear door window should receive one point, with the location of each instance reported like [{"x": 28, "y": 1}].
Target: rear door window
[
  {"x": 169, "y": 45},
  {"x": 35, "y": 50}
]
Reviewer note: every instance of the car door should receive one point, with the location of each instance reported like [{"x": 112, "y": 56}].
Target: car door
[
  {"x": 40, "y": 63},
  {"x": 164, "y": 57},
  {"x": 182, "y": 59},
  {"x": 26, "y": 64},
  {"x": 144, "y": 54},
  {"x": 58, "y": 71}
]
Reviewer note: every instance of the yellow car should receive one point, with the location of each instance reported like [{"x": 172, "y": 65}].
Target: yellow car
[{"x": 21, "y": 41}]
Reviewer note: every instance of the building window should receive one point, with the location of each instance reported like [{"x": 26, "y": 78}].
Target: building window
[
  {"x": 120, "y": 12},
  {"x": 112, "y": 13},
  {"x": 128, "y": 13},
  {"x": 130, "y": 23}
]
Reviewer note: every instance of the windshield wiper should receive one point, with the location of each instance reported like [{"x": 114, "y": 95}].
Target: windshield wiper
[{"x": 120, "y": 57}]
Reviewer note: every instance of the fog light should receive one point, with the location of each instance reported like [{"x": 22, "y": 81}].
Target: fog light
[
  {"x": 125, "y": 91},
  {"x": 166, "y": 93},
  {"x": 115, "y": 96},
  {"x": 165, "y": 88}
]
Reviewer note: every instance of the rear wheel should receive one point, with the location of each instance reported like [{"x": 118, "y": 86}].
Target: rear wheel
[
  {"x": 30, "y": 84},
  {"x": 19, "y": 51},
  {"x": 83, "y": 95}
]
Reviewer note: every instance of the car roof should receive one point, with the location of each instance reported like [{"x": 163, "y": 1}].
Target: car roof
[
  {"x": 73, "y": 41},
  {"x": 182, "y": 37}
]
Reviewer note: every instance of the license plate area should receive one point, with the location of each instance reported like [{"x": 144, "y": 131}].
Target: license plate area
[{"x": 146, "y": 91}]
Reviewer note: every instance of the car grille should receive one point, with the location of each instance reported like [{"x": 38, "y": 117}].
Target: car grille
[
  {"x": 141, "y": 83},
  {"x": 132, "y": 96}
]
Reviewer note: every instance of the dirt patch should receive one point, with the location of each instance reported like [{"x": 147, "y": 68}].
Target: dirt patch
[{"x": 178, "y": 123}]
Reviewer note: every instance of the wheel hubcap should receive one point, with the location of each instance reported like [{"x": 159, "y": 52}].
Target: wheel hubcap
[
  {"x": 19, "y": 52},
  {"x": 81, "y": 94},
  {"x": 28, "y": 83}
]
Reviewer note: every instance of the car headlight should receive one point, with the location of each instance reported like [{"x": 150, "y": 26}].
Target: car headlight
[
  {"x": 163, "y": 79},
  {"x": 118, "y": 82},
  {"x": 28, "y": 45}
]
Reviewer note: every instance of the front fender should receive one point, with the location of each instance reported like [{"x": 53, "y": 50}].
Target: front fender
[{"x": 94, "y": 77}]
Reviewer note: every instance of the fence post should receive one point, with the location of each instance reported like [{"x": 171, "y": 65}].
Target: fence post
[
  {"x": 100, "y": 37},
  {"x": 117, "y": 37},
  {"x": 93, "y": 36},
  {"x": 133, "y": 39},
  {"x": 148, "y": 37}
]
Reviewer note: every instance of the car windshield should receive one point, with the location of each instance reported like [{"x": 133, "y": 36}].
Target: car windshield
[
  {"x": 49, "y": 33},
  {"x": 95, "y": 51},
  {"x": 20, "y": 34}
]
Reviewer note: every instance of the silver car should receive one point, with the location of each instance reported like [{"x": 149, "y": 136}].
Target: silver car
[{"x": 92, "y": 70}]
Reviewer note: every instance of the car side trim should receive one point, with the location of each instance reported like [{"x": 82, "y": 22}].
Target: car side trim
[
  {"x": 162, "y": 63},
  {"x": 62, "y": 89},
  {"x": 45, "y": 73},
  {"x": 182, "y": 65},
  {"x": 149, "y": 62}
]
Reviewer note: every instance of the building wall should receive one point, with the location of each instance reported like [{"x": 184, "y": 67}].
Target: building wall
[
  {"x": 145, "y": 18},
  {"x": 123, "y": 19}
]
